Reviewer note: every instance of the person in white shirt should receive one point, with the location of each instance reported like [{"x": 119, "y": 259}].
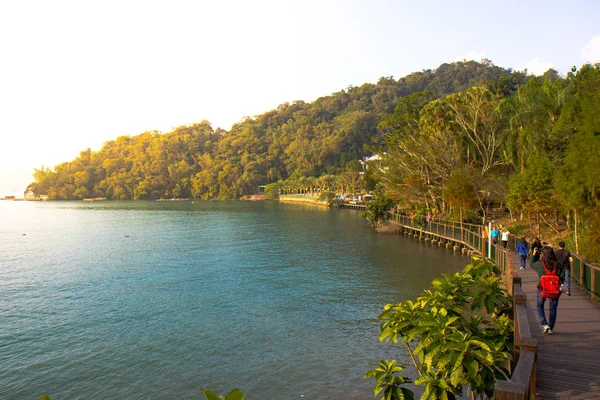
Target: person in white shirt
[{"x": 504, "y": 237}]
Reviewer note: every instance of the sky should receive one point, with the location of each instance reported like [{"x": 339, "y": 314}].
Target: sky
[{"x": 76, "y": 74}]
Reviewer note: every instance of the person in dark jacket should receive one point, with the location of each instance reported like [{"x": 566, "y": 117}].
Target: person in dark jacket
[
  {"x": 564, "y": 259},
  {"x": 549, "y": 259},
  {"x": 536, "y": 250}
]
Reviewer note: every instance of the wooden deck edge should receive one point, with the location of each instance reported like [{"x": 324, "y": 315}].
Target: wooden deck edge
[{"x": 522, "y": 385}]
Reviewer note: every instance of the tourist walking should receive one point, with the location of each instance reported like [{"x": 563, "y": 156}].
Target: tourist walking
[
  {"x": 504, "y": 237},
  {"x": 536, "y": 250},
  {"x": 564, "y": 259},
  {"x": 523, "y": 249},
  {"x": 494, "y": 234},
  {"x": 548, "y": 288}
]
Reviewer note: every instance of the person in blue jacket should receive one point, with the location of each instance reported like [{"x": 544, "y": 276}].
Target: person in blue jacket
[
  {"x": 494, "y": 233},
  {"x": 523, "y": 249}
]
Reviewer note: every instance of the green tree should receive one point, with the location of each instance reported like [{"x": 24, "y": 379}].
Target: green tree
[
  {"x": 272, "y": 191},
  {"x": 530, "y": 192},
  {"x": 576, "y": 180},
  {"x": 530, "y": 116},
  {"x": 461, "y": 330},
  {"x": 475, "y": 118},
  {"x": 376, "y": 210},
  {"x": 460, "y": 192}
]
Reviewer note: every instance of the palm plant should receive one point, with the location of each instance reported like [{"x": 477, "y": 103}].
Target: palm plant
[
  {"x": 386, "y": 382},
  {"x": 235, "y": 394}
]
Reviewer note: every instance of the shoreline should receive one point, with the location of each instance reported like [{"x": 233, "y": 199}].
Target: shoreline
[{"x": 304, "y": 199}]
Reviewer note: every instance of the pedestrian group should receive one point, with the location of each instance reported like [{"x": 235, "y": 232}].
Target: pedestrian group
[{"x": 553, "y": 268}]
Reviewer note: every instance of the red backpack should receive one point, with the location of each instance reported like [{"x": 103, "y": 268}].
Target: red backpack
[{"x": 550, "y": 284}]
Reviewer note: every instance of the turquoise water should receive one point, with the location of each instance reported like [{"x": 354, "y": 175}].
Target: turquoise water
[{"x": 152, "y": 300}]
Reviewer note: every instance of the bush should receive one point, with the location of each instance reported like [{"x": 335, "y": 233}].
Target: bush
[
  {"x": 327, "y": 196},
  {"x": 377, "y": 210},
  {"x": 458, "y": 335}
]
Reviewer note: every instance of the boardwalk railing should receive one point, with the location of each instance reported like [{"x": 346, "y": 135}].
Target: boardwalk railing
[
  {"x": 587, "y": 275},
  {"x": 468, "y": 236}
]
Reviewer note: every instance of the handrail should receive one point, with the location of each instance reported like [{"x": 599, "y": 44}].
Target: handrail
[
  {"x": 586, "y": 274},
  {"x": 468, "y": 236},
  {"x": 522, "y": 384}
]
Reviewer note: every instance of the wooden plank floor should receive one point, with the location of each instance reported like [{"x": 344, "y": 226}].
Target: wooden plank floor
[{"x": 568, "y": 364}]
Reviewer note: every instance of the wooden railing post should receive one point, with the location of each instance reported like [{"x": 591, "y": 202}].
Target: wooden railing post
[
  {"x": 516, "y": 280},
  {"x": 522, "y": 383},
  {"x": 582, "y": 273},
  {"x": 593, "y": 267}
]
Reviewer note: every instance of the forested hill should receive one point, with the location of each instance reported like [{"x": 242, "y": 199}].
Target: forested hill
[{"x": 292, "y": 141}]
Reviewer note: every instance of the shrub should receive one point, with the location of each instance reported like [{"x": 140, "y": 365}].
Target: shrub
[
  {"x": 458, "y": 334},
  {"x": 327, "y": 196},
  {"x": 376, "y": 210}
]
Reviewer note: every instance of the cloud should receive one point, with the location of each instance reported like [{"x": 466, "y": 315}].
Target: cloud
[
  {"x": 472, "y": 55},
  {"x": 537, "y": 66},
  {"x": 590, "y": 53}
]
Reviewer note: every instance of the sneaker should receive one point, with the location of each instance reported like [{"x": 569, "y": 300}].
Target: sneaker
[
  {"x": 546, "y": 329},
  {"x": 568, "y": 292},
  {"x": 521, "y": 269},
  {"x": 550, "y": 332}
]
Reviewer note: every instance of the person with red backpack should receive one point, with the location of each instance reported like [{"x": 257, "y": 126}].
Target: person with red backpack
[{"x": 549, "y": 287}]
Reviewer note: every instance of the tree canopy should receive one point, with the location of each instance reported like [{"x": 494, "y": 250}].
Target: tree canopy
[
  {"x": 292, "y": 141},
  {"x": 451, "y": 141}
]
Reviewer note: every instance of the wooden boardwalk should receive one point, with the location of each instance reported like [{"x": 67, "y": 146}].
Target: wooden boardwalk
[{"x": 568, "y": 362}]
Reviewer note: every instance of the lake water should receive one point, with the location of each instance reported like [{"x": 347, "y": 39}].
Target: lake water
[{"x": 152, "y": 300}]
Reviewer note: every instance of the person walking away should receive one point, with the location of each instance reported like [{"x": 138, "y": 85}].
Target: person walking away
[
  {"x": 494, "y": 233},
  {"x": 523, "y": 249},
  {"x": 551, "y": 277},
  {"x": 536, "y": 250},
  {"x": 504, "y": 237},
  {"x": 564, "y": 259}
]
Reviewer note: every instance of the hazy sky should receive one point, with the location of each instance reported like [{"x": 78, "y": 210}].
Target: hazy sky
[{"x": 75, "y": 74}]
